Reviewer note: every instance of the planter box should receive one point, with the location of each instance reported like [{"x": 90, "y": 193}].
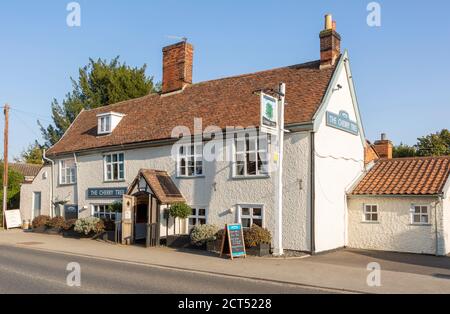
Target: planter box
[
  {"x": 53, "y": 231},
  {"x": 214, "y": 246},
  {"x": 40, "y": 229},
  {"x": 107, "y": 236},
  {"x": 178, "y": 241},
  {"x": 75, "y": 235},
  {"x": 261, "y": 250}
]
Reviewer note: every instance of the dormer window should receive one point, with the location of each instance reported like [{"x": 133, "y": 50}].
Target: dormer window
[
  {"x": 104, "y": 124},
  {"x": 107, "y": 122}
]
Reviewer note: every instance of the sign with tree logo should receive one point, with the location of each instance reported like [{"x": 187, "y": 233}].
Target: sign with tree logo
[{"x": 269, "y": 114}]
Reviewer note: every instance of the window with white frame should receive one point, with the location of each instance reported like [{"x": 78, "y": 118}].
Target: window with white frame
[
  {"x": 67, "y": 171},
  {"x": 420, "y": 215},
  {"x": 371, "y": 213},
  {"x": 251, "y": 156},
  {"x": 251, "y": 215},
  {"x": 114, "y": 167},
  {"x": 104, "y": 211},
  {"x": 190, "y": 160},
  {"x": 104, "y": 124},
  {"x": 198, "y": 217}
]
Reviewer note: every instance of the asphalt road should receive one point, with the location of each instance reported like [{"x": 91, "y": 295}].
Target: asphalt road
[{"x": 25, "y": 270}]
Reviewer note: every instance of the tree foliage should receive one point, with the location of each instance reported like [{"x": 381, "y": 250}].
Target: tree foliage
[
  {"x": 32, "y": 155},
  {"x": 14, "y": 181},
  {"x": 100, "y": 83},
  {"x": 435, "y": 144}
]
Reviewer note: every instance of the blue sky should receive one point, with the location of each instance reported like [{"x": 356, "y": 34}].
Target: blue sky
[{"x": 401, "y": 68}]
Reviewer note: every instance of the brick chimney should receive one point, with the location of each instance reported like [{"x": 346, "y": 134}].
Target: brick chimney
[
  {"x": 384, "y": 147},
  {"x": 177, "y": 66},
  {"x": 330, "y": 43}
]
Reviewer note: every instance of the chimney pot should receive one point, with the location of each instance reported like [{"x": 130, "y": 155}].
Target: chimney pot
[{"x": 328, "y": 21}]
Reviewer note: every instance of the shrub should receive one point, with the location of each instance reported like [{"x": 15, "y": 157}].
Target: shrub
[
  {"x": 116, "y": 207},
  {"x": 69, "y": 225},
  {"x": 256, "y": 235},
  {"x": 56, "y": 222},
  {"x": 40, "y": 221},
  {"x": 180, "y": 210},
  {"x": 89, "y": 225},
  {"x": 109, "y": 224},
  {"x": 202, "y": 233}
]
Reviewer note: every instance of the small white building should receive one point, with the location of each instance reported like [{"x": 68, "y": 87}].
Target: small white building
[{"x": 402, "y": 205}]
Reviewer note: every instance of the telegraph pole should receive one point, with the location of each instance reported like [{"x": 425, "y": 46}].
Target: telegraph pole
[{"x": 5, "y": 163}]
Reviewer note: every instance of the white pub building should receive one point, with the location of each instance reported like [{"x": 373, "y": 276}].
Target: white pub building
[{"x": 125, "y": 151}]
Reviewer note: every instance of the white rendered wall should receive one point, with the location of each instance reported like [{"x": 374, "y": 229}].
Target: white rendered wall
[
  {"x": 217, "y": 190},
  {"x": 394, "y": 231},
  {"x": 339, "y": 161}
]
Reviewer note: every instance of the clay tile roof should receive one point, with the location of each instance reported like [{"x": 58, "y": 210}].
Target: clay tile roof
[
  {"x": 27, "y": 170},
  {"x": 406, "y": 176},
  {"x": 223, "y": 102},
  {"x": 163, "y": 186}
]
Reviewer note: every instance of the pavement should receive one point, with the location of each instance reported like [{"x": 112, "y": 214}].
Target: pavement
[{"x": 340, "y": 271}]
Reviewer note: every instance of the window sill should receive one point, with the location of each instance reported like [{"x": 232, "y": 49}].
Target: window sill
[
  {"x": 251, "y": 177},
  {"x": 420, "y": 225},
  {"x": 190, "y": 177},
  {"x": 114, "y": 181},
  {"x": 66, "y": 184},
  {"x": 370, "y": 222}
]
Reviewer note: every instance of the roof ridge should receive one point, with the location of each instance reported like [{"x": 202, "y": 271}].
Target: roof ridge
[
  {"x": 305, "y": 64},
  {"x": 257, "y": 72}
]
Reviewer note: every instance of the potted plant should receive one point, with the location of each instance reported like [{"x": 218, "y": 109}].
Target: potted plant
[
  {"x": 68, "y": 229},
  {"x": 204, "y": 236},
  {"x": 55, "y": 225},
  {"x": 257, "y": 241},
  {"x": 180, "y": 211},
  {"x": 39, "y": 223}
]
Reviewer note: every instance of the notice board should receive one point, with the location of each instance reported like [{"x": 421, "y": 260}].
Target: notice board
[
  {"x": 13, "y": 219},
  {"x": 233, "y": 241}
]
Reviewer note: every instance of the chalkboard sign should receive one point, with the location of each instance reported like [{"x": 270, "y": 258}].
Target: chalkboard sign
[{"x": 233, "y": 241}]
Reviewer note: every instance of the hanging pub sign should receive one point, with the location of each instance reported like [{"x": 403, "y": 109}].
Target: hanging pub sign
[
  {"x": 269, "y": 114},
  {"x": 342, "y": 122},
  {"x": 70, "y": 212},
  {"x": 233, "y": 241}
]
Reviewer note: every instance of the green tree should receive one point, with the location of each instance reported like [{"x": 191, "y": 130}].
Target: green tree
[
  {"x": 32, "y": 155},
  {"x": 14, "y": 181},
  {"x": 100, "y": 83},
  {"x": 403, "y": 150},
  {"x": 436, "y": 144}
]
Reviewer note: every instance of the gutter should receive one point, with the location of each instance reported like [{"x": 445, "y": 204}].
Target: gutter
[{"x": 51, "y": 181}]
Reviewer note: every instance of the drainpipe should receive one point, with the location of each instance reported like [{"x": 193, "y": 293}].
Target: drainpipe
[
  {"x": 436, "y": 232},
  {"x": 51, "y": 182},
  {"x": 75, "y": 197}
]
